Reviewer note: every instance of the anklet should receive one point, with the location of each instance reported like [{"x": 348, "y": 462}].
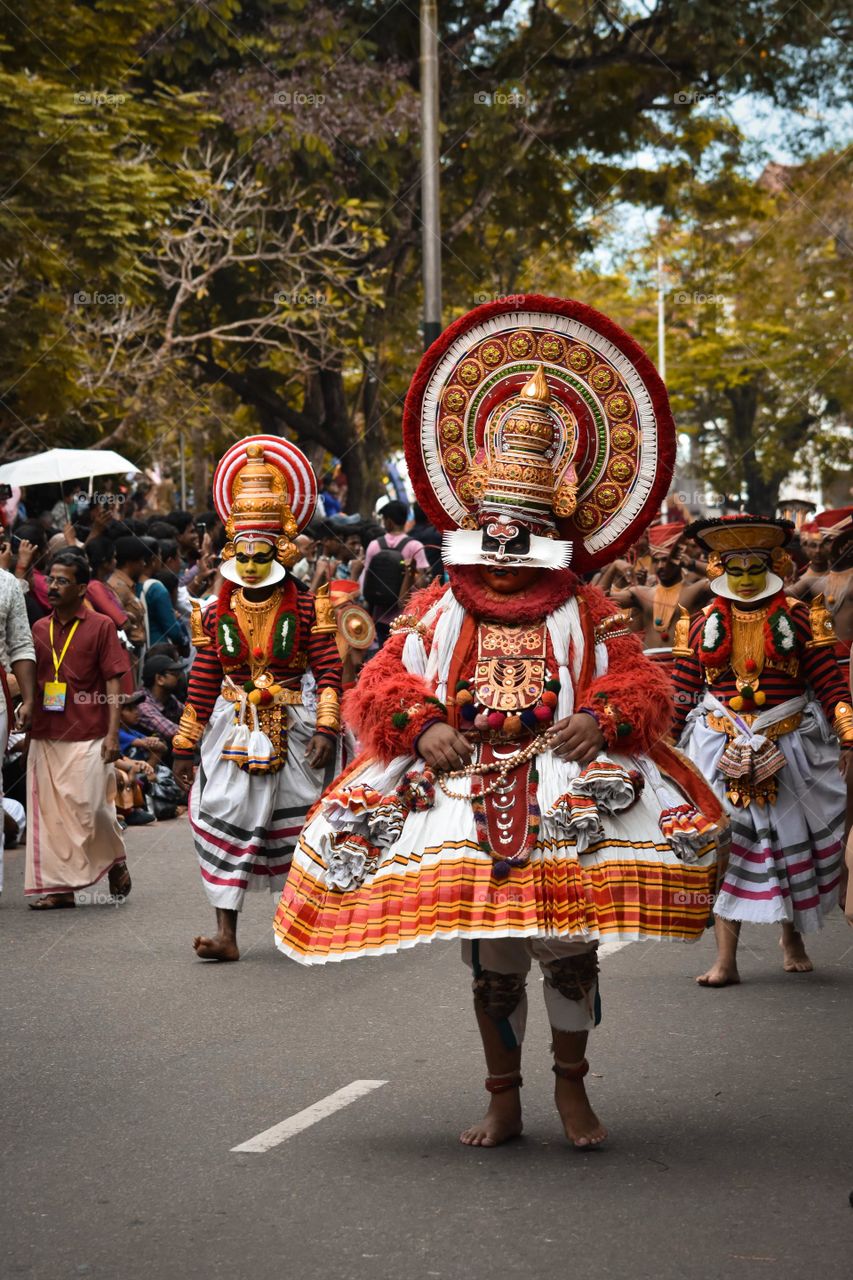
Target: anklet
[
  {"x": 570, "y": 1070},
  {"x": 500, "y": 1084}
]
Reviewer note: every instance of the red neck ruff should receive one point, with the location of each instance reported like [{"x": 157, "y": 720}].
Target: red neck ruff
[{"x": 553, "y": 588}]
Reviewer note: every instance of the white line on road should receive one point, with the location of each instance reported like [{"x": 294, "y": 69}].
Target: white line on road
[{"x": 310, "y": 1115}]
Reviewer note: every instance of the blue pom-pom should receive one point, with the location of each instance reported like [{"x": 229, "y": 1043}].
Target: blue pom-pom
[
  {"x": 501, "y": 869},
  {"x": 468, "y": 711},
  {"x": 528, "y": 718}
]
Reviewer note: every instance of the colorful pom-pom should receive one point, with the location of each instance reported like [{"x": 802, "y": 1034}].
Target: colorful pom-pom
[
  {"x": 623, "y": 729},
  {"x": 468, "y": 712},
  {"x": 255, "y": 697},
  {"x": 512, "y": 726},
  {"x": 275, "y": 690},
  {"x": 249, "y": 686},
  {"x": 736, "y": 703},
  {"x": 265, "y": 698},
  {"x": 543, "y": 714},
  {"x": 496, "y": 720},
  {"x": 462, "y": 684},
  {"x": 481, "y": 721},
  {"x": 549, "y": 698},
  {"x": 528, "y": 718},
  {"x": 501, "y": 869},
  {"x": 257, "y": 652},
  {"x": 553, "y": 686},
  {"x": 760, "y": 697},
  {"x": 464, "y": 696},
  {"x": 751, "y": 664},
  {"x": 400, "y": 719}
]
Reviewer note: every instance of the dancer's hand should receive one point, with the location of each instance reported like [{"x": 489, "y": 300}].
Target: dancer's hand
[
  {"x": 320, "y": 750},
  {"x": 183, "y": 771},
  {"x": 444, "y": 748},
  {"x": 578, "y": 738}
]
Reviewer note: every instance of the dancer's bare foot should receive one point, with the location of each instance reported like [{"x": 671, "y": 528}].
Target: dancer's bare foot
[
  {"x": 794, "y": 956},
  {"x": 220, "y": 947},
  {"x": 580, "y": 1122},
  {"x": 720, "y": 974},
  {"x": 501, "y": 1122}
]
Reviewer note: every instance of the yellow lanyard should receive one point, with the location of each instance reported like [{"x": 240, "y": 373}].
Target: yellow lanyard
[{"x": 57, "y": 662}]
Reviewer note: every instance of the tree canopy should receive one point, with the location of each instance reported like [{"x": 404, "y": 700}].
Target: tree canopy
[{"x": 210, "y": 213}]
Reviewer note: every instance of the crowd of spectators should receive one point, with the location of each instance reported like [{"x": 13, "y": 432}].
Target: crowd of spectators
[{"x": 141, "y": 572}]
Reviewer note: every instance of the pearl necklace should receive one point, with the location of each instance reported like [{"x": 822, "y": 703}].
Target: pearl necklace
[{"x": 501, "y": 767}]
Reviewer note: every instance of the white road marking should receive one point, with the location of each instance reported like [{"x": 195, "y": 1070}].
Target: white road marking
[{"x": 310, "y": 1115}]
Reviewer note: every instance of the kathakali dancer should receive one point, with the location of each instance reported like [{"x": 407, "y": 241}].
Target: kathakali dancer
[
  {"x": 264, "y": 690},
  {"x": 757, "y": 687},
  {"x": 514, "y": 788}
]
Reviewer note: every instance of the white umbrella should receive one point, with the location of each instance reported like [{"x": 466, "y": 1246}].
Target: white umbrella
[{"x": 55, "y": 466}]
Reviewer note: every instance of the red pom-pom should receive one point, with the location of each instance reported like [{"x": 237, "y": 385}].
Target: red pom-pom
[
  {"x": 496, "y": 719},
  {"x": 549, "y": 698},
  {"x": 258, "y": 652},
  {"x": 543, "y": 713},
  {"x": 266, "y": 697},
  {"x": 751, "y": 664}
]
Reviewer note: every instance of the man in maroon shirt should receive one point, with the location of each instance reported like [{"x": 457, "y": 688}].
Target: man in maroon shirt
[{"x": 73, "y": 837}]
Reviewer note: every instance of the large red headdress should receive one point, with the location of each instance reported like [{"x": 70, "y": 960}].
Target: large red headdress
[{"x": 539, "y": 430}]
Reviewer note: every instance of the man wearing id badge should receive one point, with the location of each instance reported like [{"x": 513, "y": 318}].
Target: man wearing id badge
[{"x": 73, "y": 836}]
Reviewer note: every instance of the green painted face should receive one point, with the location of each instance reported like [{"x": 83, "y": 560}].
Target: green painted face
[
  {"x": 746, "y": 575},
  {"x": 254, "y": 561}
]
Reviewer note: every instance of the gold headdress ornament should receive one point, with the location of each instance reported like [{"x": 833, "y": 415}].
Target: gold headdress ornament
[{"x": 264, "y": 490}]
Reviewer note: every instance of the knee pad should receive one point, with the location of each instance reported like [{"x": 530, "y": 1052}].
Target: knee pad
[
  {"x": 498, "y": 995},
  {"x": 573, "y": 976}
]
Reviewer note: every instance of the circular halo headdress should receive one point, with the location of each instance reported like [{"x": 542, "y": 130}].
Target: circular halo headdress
[
  {"x": 537, "y": 431},
  {"x": 264, "y": 490}
]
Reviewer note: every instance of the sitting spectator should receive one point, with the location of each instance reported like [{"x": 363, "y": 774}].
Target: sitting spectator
[
  {"x": 131, "y": 739},
  {"x": 160, "y": 711},
  {"x": 131, "y": 777}
]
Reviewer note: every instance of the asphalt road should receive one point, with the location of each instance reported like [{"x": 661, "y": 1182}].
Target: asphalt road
[{"x": 129, "y": 1071}]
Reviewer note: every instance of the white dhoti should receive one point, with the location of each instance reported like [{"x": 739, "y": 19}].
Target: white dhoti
[
  {"x": 245, "y": 825},
  {"x": 73, "y": 836},
  {"x": 785, "y": 861}
]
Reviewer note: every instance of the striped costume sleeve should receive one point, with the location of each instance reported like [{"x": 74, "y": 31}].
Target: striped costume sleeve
[
  {"x": 205, "y": 682},
  {"x": 321, "y": 649},
  {"x": 688, "y": 679},
  {"x": 819, "y": 666}
]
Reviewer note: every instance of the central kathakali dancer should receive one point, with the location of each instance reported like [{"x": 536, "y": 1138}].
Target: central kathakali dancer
[{"x": 514, "y": 788}]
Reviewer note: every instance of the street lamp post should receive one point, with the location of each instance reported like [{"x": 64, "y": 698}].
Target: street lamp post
[{"x": 430, "y": 206}]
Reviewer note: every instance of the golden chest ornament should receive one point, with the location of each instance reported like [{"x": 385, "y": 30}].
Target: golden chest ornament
[{"x": 510, "y": 670}]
